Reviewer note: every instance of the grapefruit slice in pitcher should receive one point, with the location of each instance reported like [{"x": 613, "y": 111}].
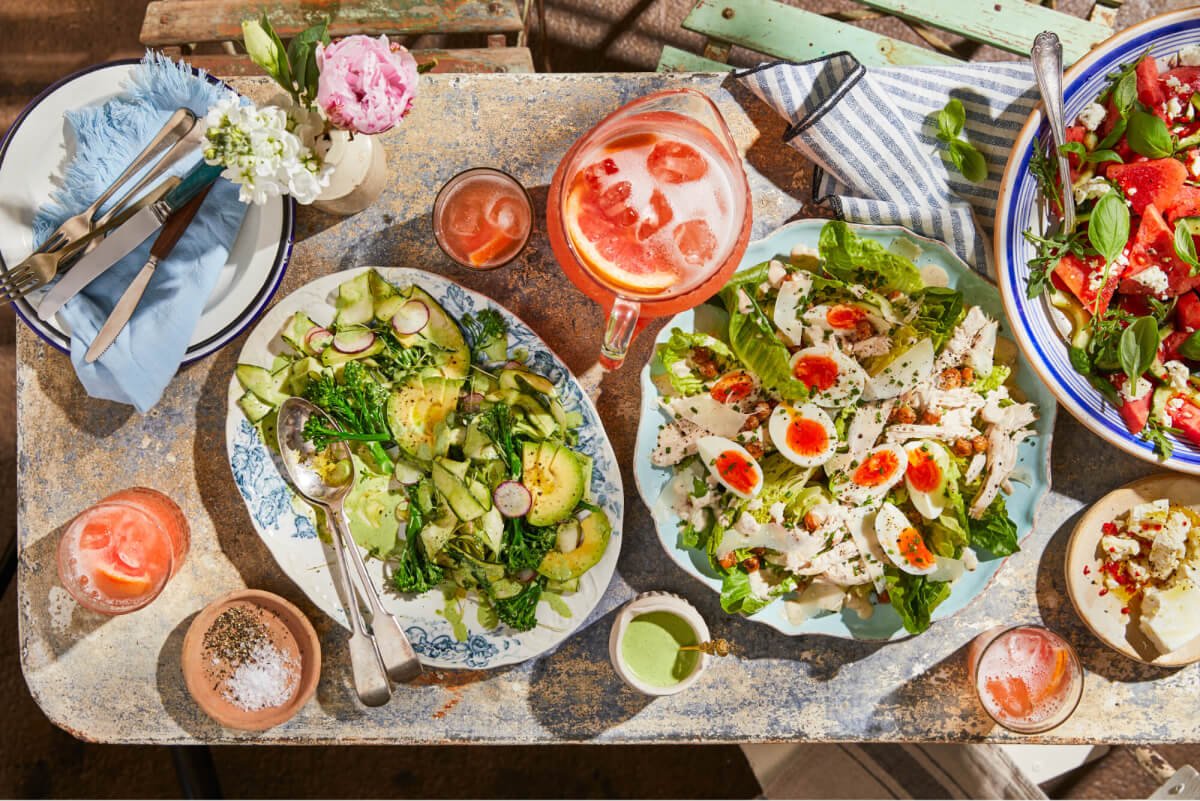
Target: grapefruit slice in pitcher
[{"x": 605, "y": 231}]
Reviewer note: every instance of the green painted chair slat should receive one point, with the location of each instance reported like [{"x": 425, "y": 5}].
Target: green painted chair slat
[
  {"x": 1007, "y": 24},
  {"x": 178, "y": 22},
  {"x": 675, "y": 60},
  {"x": 798, "y": 35}
]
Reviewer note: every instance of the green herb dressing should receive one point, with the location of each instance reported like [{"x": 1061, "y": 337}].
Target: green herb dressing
[{"x": 650, "y": 648}]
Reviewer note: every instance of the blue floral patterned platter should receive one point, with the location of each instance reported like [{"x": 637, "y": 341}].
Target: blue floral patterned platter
[
  {"x": 1033, "y": 454},
  {"x": 286, "y": 524}
]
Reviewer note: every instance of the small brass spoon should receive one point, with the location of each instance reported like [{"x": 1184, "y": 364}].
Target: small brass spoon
[{"x": 717, "y": 647}]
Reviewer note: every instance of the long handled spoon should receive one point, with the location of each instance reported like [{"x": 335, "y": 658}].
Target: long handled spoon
[{"x": 1047, "y": 58}]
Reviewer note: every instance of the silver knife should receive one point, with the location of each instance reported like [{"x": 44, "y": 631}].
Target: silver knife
[
  {"x": 124, "y": 239},
  {"x": 168, "y": 237}
]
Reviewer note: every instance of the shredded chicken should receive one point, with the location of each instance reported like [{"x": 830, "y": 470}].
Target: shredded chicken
[
  {"x": 676, "y": 441},
  {"x": 863, "y": 433},
  {"x": 871, "y": 346},
  {"x": 955, "y": 424},
  {"x": 1006, "y": 430},
  {"x": 834, "y": 556},
  {"x": 975, "y": 468}
]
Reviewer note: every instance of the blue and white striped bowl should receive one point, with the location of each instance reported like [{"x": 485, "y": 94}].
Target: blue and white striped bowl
[{"x": 1018, "y": 210}]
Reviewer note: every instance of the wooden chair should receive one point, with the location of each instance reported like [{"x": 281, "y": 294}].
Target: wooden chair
[
  {"x": 794, "y": 34},
  {"x": 190, "y": 27}
]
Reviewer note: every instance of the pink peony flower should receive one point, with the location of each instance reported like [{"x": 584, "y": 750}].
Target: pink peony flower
[{"x": 366, "y": 85}]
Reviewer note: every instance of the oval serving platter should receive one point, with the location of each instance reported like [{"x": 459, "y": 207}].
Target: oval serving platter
[
  {"x": 286, "y": 524},
  {"x": 1033, "y": 454}
]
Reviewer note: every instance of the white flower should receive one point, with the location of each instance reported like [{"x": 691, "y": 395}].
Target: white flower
[{"x": 267, "y": 151}]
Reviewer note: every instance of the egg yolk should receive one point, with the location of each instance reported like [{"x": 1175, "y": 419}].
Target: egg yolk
[
  {"x": 923, "y": 472},
  {"x": 807, "y": 437},
  {"x": 913, "y": 549},
  {"x": 844, "y": 316},
  {"x": 732, "y": 388},
  {"x": 737, "y": 471},
  {"x": 816, "y": 372},
  {"x": 876, "y": 469}
]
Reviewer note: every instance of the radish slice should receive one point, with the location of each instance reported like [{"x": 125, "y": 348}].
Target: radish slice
[
  {"x": 526, "y": 574},
  {"x": 410, "y": 318},
  {"x": 511, "y": 365},
  {"x": 406, "y": 473},
  {"x": 471, "y": 403},
  {"x": 354, "y": 340},
  {"x": 512, "y": 499},
  {"x": 318, "y": 339}
]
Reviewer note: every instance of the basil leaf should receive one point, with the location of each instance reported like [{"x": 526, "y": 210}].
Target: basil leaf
[
  {"x": 969, "y": 161},
  {"x": 1105, "y": 388},
  {"x": 1097, "y": 156},
  {"x": 1108, "y": 228},
  {"x": 1115, "y": 134},
  {"x": 1147, "y": 134},
  {"x": 1138, "y": 347},
  {"x": 1073, "y": 147},
  {"x": 1190, "y": 349},
  {"x": 1125, "y": 92},
  {"x": 951, "y": 120},
  {"x": 1191, "y": 223},
  {"x": 1185, "y": 247},
  {"x": 1080, "y": 360}
]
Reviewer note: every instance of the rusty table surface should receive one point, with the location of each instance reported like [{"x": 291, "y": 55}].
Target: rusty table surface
[{"x": 118, "y": 679}]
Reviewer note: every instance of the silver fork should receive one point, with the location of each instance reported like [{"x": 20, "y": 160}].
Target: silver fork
[{"x": 180, "y": 123}]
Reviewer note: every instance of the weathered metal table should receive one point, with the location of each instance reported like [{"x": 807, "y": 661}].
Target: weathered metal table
[{"x": 118, "y": 680}]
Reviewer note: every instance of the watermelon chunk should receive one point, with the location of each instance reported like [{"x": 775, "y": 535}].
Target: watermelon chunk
[
  {"x": 1187, "y": 312},
  {"x": 1075, "y": 133},
  {"x": 1169, "y": 349},
  {"x": 1187, "y": 204},
  {"x": 1145, "y": 182},
  {"x": 1154, "y": 246},
  {"x": 1188, "y": 77},
  {"x": 1185, "y": 416},
  {"x": 1134, "y": 413},
  {"x": 1076, "y": 275},
  {"x": 1149, "y": 87}
]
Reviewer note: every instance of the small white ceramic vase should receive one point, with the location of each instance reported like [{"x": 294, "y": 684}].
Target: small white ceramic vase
[{"x": 359, "y": 172}]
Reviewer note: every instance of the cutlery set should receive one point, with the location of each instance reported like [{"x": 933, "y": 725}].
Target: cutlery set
[{"x": 85, "y": 245}]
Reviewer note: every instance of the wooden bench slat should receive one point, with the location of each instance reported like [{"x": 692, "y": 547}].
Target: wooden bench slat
[
  {"x": 467, "y": 59},
  {"x": 178, "y": 22},
  {"x": 798, "y": 35},
  {"x": 675, "y": 60},
  {"x": 1007, "y": 24}
]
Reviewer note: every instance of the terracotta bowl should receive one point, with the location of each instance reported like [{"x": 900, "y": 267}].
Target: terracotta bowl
[
  {"x": 287, "y": 622},
  {"x": 1102, "y": 613}
]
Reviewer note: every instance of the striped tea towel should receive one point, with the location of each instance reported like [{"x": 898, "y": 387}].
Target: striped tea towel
[{"x": 873, "y": 135}]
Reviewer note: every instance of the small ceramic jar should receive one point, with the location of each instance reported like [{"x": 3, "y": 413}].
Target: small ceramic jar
[{"x": 646, "y": 604}]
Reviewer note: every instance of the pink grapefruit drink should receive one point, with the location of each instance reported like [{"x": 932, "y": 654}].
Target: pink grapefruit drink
[
  {"x": 650, "y": 213},
  {"x": 116, "y": 557},
  {"x": 1028, "y": 678},
  {"x": 482, "y": 218}
]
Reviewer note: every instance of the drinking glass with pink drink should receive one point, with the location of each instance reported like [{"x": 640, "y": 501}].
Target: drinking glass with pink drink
[
  {"x": 1028, "y": 678},
  {"x": 482, "y": 218}
]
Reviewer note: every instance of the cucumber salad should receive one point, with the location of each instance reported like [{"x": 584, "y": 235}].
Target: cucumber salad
[
  {"x": 841, "y": 434},
  {"x": 465, "y": 475}
]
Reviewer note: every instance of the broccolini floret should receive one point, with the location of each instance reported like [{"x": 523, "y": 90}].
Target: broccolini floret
[{"x": 359, "y": 405}]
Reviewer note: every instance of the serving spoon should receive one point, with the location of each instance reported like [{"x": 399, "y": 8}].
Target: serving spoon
[
  {"x": 1047, "y": 58},
  {"x": 383, "y": 651}
]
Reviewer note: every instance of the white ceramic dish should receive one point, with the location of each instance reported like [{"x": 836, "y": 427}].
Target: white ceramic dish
[
  {"x": 34, "y": 153},
  {"x": 287, "y": 527},
  {"x": 644, "y": 604}
]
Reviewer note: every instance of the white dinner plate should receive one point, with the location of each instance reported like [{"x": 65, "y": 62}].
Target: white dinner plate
[{"x": 33, "y": 155}]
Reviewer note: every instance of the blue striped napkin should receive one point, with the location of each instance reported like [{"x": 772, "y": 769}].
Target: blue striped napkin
[{"x": 872, "y": 134}]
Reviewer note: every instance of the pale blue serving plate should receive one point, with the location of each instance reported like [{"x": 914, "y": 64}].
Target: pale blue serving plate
[
  {"x": 1018, "y": 210},
  {"x": 1033, "y": 453}
]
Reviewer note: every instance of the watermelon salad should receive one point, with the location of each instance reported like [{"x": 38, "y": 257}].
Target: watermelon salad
[{"x": 1124, "y": 284}]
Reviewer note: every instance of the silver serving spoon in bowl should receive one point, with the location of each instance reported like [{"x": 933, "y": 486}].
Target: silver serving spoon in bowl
[
  {"x": 384, "y": 651},
  {"x": 1047, "y": 58}
]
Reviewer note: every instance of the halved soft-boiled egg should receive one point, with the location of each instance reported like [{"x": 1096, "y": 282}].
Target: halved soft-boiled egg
[
  {"x": 733, "y": 387},
  {"x": 902, "y": 543},
  {"x": 831, "y": 376},
  {"x": 925, "y": 477},
  {"x": 843, "y": 318},
  {"x": 867, "y": 481},
  {"x": 804, "y": 435},
  {"x": 732, "y": 465}
]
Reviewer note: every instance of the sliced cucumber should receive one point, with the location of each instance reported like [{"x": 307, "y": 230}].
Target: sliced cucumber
[
  {"x": 490, "y": 528},
  {"x": 266, "y": 385},
  {"x": 457, "y": 468},
  {"x": 332, "y": 357},
  {"x": 570, "y": 585},
  {"x": 296, "y": 332},
  {"x": 436, "y": 533},
  {"x": 479, "y": 446},
  {"x": 525, "y": 380},
  {"x": 382, "y": 293},
  {"x": 456, "y": 493},
  {"x": 253, "y": 407},
  {"x": 354, "y": 303}
]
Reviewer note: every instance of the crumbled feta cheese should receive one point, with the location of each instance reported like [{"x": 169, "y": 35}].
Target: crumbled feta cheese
[
  {"x": 775, "y": 273},
  {"x": 1152, "y": 509},
  {"x": 1154, "y": 279},
  {"x": 1138, "y": 570},
  {"x": 1117, "y": 548},
  {"x": 1173, "y": 107},
  {"x": 1095, "y": 280},
  {"x": 1174, "y": 83},
  {"x": 1092, "y": 116},
  {"x": 1178, "y": 373},
  {"x": 1170, "y": 545},
  {"x": 1093, "y": 187},
  {"x": 1194, "y": 167},
  {"x": 754, "y": 505},
  {"x": 1131, "y": 191},
  {"x": 1190, "y": 56},
  {"x": 1135, "y": 390},
  {"x": 1111, "y": 583}
]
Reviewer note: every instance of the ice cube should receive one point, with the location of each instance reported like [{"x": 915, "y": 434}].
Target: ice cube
[
  {"x": 695, "y": 241},
  {"x": 676, "y": 163}
]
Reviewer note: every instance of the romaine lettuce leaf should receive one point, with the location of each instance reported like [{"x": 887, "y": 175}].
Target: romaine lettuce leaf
[
  {"x": 752, "y": 337},
  {"x": 736, "y": 596},
  {"x": 993, "y": 380},
  {"x": 784, "y": 482},
  {"x": 675, "y": 351},
  {"x": 914, "y": 598},
  {"x": 994, "y": 531},
  {"x": 856, "y": 260},
  {"x": 946, "y": 536},
  {"x": 940, "y": 311}
]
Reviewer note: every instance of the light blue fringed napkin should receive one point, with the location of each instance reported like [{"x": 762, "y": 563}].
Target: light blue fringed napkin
[
  {"x": 873, "y": 135},
  {"x": 143, "y": 359}
]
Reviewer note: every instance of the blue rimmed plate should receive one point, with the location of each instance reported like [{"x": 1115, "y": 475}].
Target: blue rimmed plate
[
  {"x": 1033, "y": 453},
  {"x": 33, "y": 153},
  {"x": 286, "y": 524},
  {"x": 1018, "y": 210}
]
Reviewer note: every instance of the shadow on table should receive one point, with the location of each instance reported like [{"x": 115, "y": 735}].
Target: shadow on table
[
  {"x": 56, "y": 377},
  {"x": 1058, "y": 613},
  {"x": 172, "y": 690},
  {"x": 785, "y": 167},
  {"x": 1086, "y": 467}
]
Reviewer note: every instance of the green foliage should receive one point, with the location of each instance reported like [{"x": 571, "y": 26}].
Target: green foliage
[
  {"x": 294, "y": 67},
  {"x": 358, "y": 405},
  {"x": 488, "y": 333},
  {"x": 994, "y": 531},
  {"x": 415, "y": 572},
  {"x": 520, "y": 611},
  {"x": 676, "y": 350},
  {"x": 1138, "y": 347},
  {"x": 961, "y": 153},
  {"x": 1050, "y": 250},
  {"x": 858, "y": 260},
  {"x": 914, "y": 598}
]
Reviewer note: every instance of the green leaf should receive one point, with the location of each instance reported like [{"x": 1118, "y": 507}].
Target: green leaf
[
  {"x": 951, "y": 120},
  {"x": 426, "y": 67},
  {"x": 1147, "y": 134},
  {"x": 736, "y": 595},
  {"x": 285, "y": 73},
  {"x": 914, "y": 598},
  {"x": 1185, "y": 247},
  {"x": 1138, "y": 347},
  {"x": 858, "y": 260},
  {"x": 1080, "y": 360},
  {"x": 1190, "y": 349},
  {"x": 970, "y": 162},
  {"x": 994, "y": 531},
  {"x": 1098, "y": 156},
  {"x": 1075, "y": 148},
  {"x": 1125, "y": 91},
  {"x": 940, "y": 311},
  {"x": 1108, "y": 228},
  {"x": 302, "y": 55},
  {"x": 1114, "y": 135},
  {"x": 675, "y": 351}
]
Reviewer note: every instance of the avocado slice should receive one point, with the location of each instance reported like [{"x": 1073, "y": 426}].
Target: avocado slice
[
  {"x": 452, "y": 357},
  {"x": 415, "y": 409},
  {"x": 354, "y": 304},
  {"x": 253, "y": 407},
  {"x": 593, "y": 541},
  {"x": 554, "y": 478}
]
